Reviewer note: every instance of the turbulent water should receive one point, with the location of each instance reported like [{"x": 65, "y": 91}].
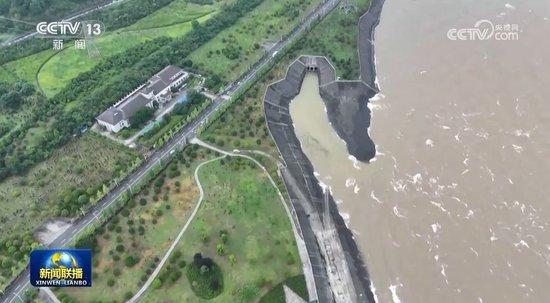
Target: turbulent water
[{"x": 456, "y": 205}]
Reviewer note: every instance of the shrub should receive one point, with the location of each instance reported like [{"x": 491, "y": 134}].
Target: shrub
[
  {"x": 205, "y": 277},
  {"x": 111, "y": 282},
  {"x": 130, "y": 260}
]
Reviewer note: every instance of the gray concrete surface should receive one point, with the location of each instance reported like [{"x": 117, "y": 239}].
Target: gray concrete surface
[{"x": 326, "y": 235}]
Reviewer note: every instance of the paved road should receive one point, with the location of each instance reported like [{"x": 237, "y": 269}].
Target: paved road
[
  {"x": 21, "y": 283},
  {"x": 26, "y": 36}
]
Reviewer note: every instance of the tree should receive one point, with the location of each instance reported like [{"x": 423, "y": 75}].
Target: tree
[
  {"x": 141, "y": 116},
  {"x": 232, "y": 259},
  {"x": 220, "y": 248},
  {"x": 157, "y": 283},
  {"x": 130, "y": 261},
  {"x": 35, "y": 6},
  {"x": 213, "y": 82},
  {"x": 11, "y": 100},
  {"x": 82, "y": 199}
]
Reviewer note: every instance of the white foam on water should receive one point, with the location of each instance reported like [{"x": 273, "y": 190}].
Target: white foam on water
[
  {"x": 522, "y": 133},
  {"x": 457, "y": 137},
  {"x": 443, "y": 273},
  {"x": 375, "y": 198},
  {"x": 356, "y": 189},
  {"x": 354, "y": 162},
  {"x": 416, "y": 179},
  {"x": 373, "y": 290},
  {"x": 521, "y": 243},
  {"x": 517, "y": 148},
  {"x": 438, "y": 205},
  {"x": 436, "y": 227},
  {"x": 350, "y": 182},
  {"x": 377, "y": 97},
  {"x": 398, "y": 185},
  {"x": 509, "y": 6},
  {"x": 395, "y": 298},
  {"x": 493, "y": 238},
  {"x": 396, "y": 212},
  {"x": 345, "y": 216}
]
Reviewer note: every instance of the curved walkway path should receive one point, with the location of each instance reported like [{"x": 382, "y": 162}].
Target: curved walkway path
[
  {"x": 155, "y": 273},
  {"x": 301, "y": 245}
]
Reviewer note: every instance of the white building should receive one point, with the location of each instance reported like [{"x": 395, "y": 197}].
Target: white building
[{"x": 158, "y": 88}]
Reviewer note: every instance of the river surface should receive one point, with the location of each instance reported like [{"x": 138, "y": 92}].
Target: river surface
[{"x": 456, "y": 205}]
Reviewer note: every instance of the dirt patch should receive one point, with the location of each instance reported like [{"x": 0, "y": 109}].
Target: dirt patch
[{"x": 51, "y": 229}]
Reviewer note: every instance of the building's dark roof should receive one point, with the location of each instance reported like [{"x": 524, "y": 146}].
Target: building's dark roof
[
  {"x": 168, "y": 73},
  {"x": 162, "y": 79},
  {"x": 157, "y": 86},
  {"x": 112, "y": 116},
  {"x": 130, "y": 106}
]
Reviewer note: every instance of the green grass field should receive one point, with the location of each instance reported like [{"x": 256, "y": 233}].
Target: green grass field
[
  {"x": 232, "y": 52},
  {"x": 336, "y": 38},
  {"x": 260, "y": 249},
  {"x": 238, "y": 199},
  {"x": 53, "y": 70}
]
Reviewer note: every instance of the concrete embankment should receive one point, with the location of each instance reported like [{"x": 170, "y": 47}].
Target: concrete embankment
[{"x": 338, "y": 268}]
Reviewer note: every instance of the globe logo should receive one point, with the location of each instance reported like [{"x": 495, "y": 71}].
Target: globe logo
[{"x": 61, "y": 260}]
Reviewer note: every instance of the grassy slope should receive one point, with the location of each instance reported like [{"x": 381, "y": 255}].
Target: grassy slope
[
  {"x": 261, "y": 26},
  {"x": 241, "y": 200},
  {"x": 55, "y": 70}
]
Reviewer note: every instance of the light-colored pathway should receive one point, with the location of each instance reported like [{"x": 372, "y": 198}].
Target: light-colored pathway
[
  {"x": 155, "y": 273},
  {"x": 301, "y": 244}
]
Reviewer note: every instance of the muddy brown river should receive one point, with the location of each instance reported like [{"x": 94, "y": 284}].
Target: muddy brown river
[{"x": 456, "y": 205}]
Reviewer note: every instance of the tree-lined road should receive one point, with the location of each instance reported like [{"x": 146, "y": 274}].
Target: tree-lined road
[{"x": 21, "y": 283}]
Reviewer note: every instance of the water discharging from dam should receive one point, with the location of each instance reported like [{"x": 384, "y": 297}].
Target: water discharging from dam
[{"x": 455, "y": 207}]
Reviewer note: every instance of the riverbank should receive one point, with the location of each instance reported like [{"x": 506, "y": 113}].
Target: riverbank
[
  {"x": 337, "y": 263},
  {"x": 326, "y": 235}
]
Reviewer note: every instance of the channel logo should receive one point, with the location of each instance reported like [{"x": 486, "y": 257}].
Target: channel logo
[{"x": 61, "y": 268}]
